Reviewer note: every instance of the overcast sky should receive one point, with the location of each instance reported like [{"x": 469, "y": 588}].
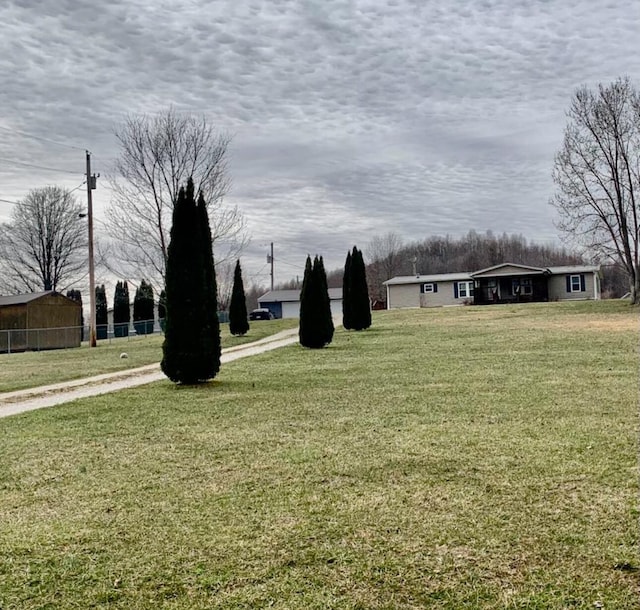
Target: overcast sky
[{"x": 350, "y": 118}]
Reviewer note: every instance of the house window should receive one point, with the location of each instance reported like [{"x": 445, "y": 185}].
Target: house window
[
  {"x": 428, "y": 288},
  {"x": 521, "y": 286},
  {"x": 465, "y": 290},
  {"x": 576, "y": 284}
]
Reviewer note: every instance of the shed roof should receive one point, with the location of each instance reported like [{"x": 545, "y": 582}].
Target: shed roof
[
  {"x": 22, "y": 299},
  {"x": 291, "y": 296}
]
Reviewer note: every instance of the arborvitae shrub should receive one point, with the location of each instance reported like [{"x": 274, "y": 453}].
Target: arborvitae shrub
[
  {"x": 101, "y": 313},
  {"x": 346, "y": 293},
  {"x": 359, "y": 293},
  {"x": 162, "y": 309},
  {"x": 316, "y": 325},
  {"x": 143, "y": 309},
  {"x": 76, "y": 295},
  {"x": 191, "y": 349},
  {"x": 325, "y": 301},
  {"x": 121, "y": 310},
  {"x": 238, "y": 319}
]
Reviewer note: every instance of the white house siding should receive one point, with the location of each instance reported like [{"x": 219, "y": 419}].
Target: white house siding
[
  {"x": 291, "y": 309},
  {"x": 403, "y": 295},
  {"x": 558, "y": 288},
  {"x": 336, "y": 308}
]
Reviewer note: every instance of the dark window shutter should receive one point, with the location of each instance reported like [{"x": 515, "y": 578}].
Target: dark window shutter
[
  {"x": 455, "y": 290},
  {"x": 582, "y": 283},
  {"x": 421, "y": 288},
  {"x": 568, "y": 278},
  {"x": 435, "y": 288}
]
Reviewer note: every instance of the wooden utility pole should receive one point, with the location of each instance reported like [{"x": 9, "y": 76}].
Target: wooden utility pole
[
  {"x": 270, "y": 259},
  {"x": 91, "y": 184}
]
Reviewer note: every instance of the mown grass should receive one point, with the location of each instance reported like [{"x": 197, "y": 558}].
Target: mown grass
[
  {"x": 30, "y": 369},
  {"x": 458, "y": 458}
]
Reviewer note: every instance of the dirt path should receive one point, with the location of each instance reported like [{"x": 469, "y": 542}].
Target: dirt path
[{"x": 21, "y": 401}]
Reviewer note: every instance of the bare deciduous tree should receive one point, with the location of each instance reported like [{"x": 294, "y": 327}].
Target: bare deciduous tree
[
  {"x": 224, "y": 282},
  {"x": 158, "y": 155},
  {"x": 597, "y": 173},
  {"x": 44, "y": 246},
  {"x": 385, "y": 255}
]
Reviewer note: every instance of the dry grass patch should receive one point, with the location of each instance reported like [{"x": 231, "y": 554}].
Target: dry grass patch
[{"x": 433, "y": 461}]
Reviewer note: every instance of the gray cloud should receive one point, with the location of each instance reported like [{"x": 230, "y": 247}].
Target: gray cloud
[{"x": 350, "y": 117}]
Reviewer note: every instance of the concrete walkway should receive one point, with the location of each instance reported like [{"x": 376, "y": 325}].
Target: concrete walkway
[{"x": 21, "y": 401}]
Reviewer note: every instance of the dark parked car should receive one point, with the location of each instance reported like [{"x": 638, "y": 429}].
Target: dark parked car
[{"x": 261, "y": 314}]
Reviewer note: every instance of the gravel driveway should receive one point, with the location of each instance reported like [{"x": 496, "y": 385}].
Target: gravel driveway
[{"x": 12, "y": 403}]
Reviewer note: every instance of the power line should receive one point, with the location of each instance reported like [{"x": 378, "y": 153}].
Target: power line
[
  {"x": 30, "y": 135},
  {"x": 283, "y": 262},
  {"x": 79, "y": 186},
  {"x": 259, "y": 272},
  {"x": 70, "y": 191},
  {"x": 50, "y": 169}
]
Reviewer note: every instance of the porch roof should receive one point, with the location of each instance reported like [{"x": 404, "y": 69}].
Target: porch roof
[{"x": 509, "y": 269}]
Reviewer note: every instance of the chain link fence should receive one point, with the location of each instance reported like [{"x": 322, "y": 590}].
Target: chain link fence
[{"x": 66, "y": 337}]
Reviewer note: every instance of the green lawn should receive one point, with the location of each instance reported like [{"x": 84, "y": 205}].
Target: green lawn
[
  {"x": 30, "y": 369},
  {"x": 455, "y": 458}
]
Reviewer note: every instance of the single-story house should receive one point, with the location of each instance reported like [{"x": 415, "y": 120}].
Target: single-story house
[
  {"x": 286, "y": 303},
  {"x": 505, "y": 283},
  {"x": 39, "y": 321}
]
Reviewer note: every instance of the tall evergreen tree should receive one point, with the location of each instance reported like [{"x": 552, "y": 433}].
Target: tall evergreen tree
[
  {"x": 102, "y": 319},
  {"x": 307, "y": 331},
  {"x": 238, "y": 319},
  {"x": 162, "y": 309},
  {"x": 191, "y": 348},
  {"x": 325, "y": 302},
  {"x": 316, "y": 325},
  {"x": 143, "y": 309},
  {"x": 346, "y": 293},
  {"x": 359, "y": 293},
  {"x": 211, "y": 345},
  {"x": 76, "y": 295},
  {"x": 121, "y": 310}
]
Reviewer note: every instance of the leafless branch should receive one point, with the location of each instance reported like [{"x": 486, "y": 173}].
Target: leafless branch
[
  {"x": 158, "y": 155},
  {"x": 44, "y": 246},
  {"x": 597, "y": 176}
]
